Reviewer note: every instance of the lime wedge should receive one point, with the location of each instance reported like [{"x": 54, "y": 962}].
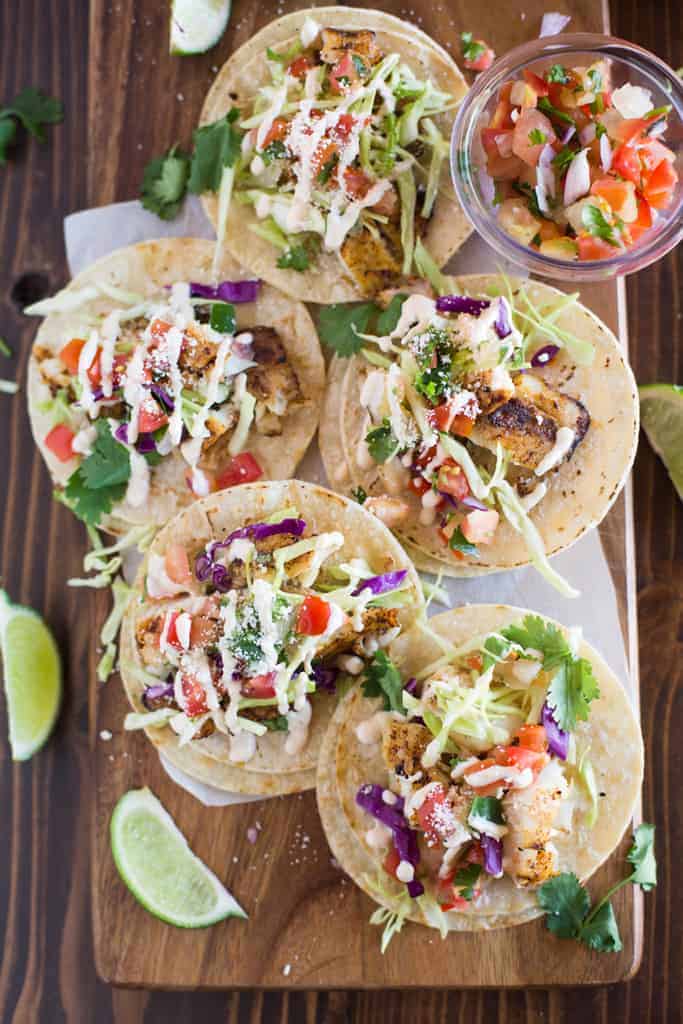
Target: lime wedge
[
  {"x": 197, "y": 25},
  {"x": 33, "y": 677},
  {"x": 661, "y": 413},
  {"x": 160, "y": 869}
]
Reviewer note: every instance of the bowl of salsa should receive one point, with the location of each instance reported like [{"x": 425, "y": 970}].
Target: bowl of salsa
[{"x": 567, "y": 156}]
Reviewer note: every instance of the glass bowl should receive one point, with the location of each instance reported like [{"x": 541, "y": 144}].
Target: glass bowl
[{"x": 628, "y": 63}]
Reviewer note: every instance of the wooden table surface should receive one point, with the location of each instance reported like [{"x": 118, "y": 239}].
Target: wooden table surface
[{"x": 46, "y": 971}]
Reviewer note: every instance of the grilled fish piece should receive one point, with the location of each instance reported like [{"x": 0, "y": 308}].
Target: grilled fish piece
[
  {"x": 493, "y": 388},
  {"x": 373, "y": 261},
  {"x": 529, "y": 856},
  {"x": 375, "y": 621},
  {"x": 336, "y": 42},
  {"x": 403, "y": 744},
  {"x": 273, "y": 382},
  {"x": 197, "y": 350},
  {"x": 527, "y": 424}
]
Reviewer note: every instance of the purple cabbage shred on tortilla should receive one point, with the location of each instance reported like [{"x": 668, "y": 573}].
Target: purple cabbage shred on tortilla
[
  {"x": 461, "y": 304},
  {"x": 382, "y": 584},
  {"x": 369, "y": 797},
  {"x": 227, "y": 291}
]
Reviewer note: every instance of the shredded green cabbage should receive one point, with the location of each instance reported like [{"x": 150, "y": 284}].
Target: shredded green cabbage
[
  {"x": 246, "y": 416},
  {"x": 224, "y": 196},
  {"x": 427, "y": 268},
  {"x": 586, "y": 776},
  {"x": 407, "y": 192},
  {"x": 439, "y": 148}
]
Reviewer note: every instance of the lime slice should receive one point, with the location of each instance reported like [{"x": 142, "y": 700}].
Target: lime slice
[
  {"x": 197, "y": 25},
  {"x": 160, "y": 869},
  {"x": 661, "y": 413},
  {"x": 33, "y": 677}
]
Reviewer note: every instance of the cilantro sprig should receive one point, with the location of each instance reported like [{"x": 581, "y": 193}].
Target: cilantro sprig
[
  {"x": 466, "y": 879},
  {"x": 340, "y": 324},
  {"x": 383, "y": 679},
  {"x": 573, "y": 685},
  {"x": 567, "y": 904},
  {"x": 594, "y": 221},
  {"x": 32, "y": 109},
  {"x": 557, "y": 73},
  {"x": 472, "y": 49},
  {"x": 101, "y": 479},
  {"x": 382, "y": 442},
  {"x": 164, "y": 183},
  {"x": 459, "y": 542}
]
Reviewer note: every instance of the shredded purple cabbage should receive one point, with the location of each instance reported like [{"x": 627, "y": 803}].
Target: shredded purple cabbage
[
  {"x": 558, "y": 739},
  {"x": 227, "y": 291},
  {"x": 369, "y": 797},
  {"x": 471, "y": 502},
  {"x": 162, "y": 395},
  {"x": 325, "y": 678},
  {"x": 493, "y": 856},
  {"x": 206, "y": 569},
  {"x": 155, "y": 692},
  {"x": 461, "y": 304},
  {"x": 146, "y": 443},
  {"x": 382, "y": 584},
  {"x": 502, "y": 322},
  {"x": 121, "y": 433},
  {"x": 411, "y": 686},
  {"x": 544, "y": 355}
]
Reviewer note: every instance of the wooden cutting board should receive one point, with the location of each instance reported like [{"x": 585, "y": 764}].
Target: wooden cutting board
[{"x": 308, "y": 925}]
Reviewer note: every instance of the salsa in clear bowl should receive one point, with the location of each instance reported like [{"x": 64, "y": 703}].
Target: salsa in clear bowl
[{"x": 566, "y": 156}]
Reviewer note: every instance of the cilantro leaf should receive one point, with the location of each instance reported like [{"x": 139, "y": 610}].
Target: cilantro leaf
[
  {"x": 8, "y": 131},
  {"x": 557, "y": 73},
  {"x": 546, "y": 106},
  {"x": 88, "y": 504},
  {"x": 294, "y": 258},
  {"x": 164, "y": 184},
  {"x": 488, "y": 807},
  {"x": 566, "y": 904},
  {"x": 472, "y": 49},
  {"x": 593, "y": 219},
  {"x": 571, "y": 690},
  {"x": 360, "y": 495},
  {"x": 338, "y": 324},
  {"x": 275, "y": 150},
  {"x": 642, "y": 855},
  {"x": 466, "y": 878},
  {"x": 278, "y": 724},
  {"x": 33, "y": 109},
  {"x": 459, "y": 542},
  {"x": 525, "y": 189},
  {"x": 383, "y": 679},
  {"x": 108, "y": 463},
  {"x": 595, "y": 79},
  {"x": 601, "y": 931},
  {"x": 541, "y": 636},
  {"x": 382, "y": 442},
  {"x": 216, "y": 146},
  {"x": 563, "y": 159},
  {"x": 537, "y": 137},
  {"x": 389, "y": 317}
]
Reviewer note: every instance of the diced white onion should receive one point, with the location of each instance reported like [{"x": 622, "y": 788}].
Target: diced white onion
[{"x": 578, "y": 180}]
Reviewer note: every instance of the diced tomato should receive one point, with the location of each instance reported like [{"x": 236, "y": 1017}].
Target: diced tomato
[
  {"x": 626, "y": 164},
  {"x": 172, "y": 638},
  {"x": 299, "y": 66},
  {"x": 451, "y": 480},
  {"x": 532, "y": 737},
  {"x": 651, "y": 154},
  {"x": 242, "y": 469},
  {"x": 194, "y": 697},
  {"x": 159, "y": 329},
  {"x": 60, "y": 442},
  {"x": 202, "y": 631},
  {"x": 504, "y": 168},
  {"x": 344, "y": 125},
  {"x": 536, "y": 82},
  {"x": 591, "y": 248},
  {"x": 530, "y": 122},
  {"x": 447, "y": 419},
  {"x": 314, "y": 615},
  {"x": 95, "y": 369},
  {"x": 660, "y": 185},
  {"x": 259, "y": 687},
  {"x": 177, "y": 564},
  {"x": 475, "y": 854},
  {"x": 483, "y": 61},
  {"x": 479, "y": 526},
  {"x": 356, "y": 183},
  {"x": 521, "y": 757},
  {"x": 501, "y": 115},
  {"x": 475, "y": 662},
  {"x": 70, "y": 354},
  {"x": 391, "y": 862},
  {"x": 320, "y": 160},
  {"x": 642, "y": 222},
  {"x": 151, "y": 416},
  {"x": 488, "y": 762},
  {"x": 277, "y": 132},
  {"x": 426, "y": 457},
  {"x": 343, "y": 75},
  {"x": 630, "y": 129},
  {"x": 427, "y": 815},
  {"x": 419, "y": 485}
]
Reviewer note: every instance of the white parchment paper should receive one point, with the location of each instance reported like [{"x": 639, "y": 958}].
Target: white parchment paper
[{"x": 91, "y": 234}]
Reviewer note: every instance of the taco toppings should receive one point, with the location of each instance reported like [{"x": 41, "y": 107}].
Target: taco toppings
[
  {"x": 166, "y": 376},
  {"x": 341, "y": 153},
  {"x": 239, "y": 637},
  {"x": 481, "y": 767},
  {"x": 461, "y": 425},
  {"x": 580, "y": 168}
]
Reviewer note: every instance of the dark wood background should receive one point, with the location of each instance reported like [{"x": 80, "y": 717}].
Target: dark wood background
[{"x": 46, "y": 971}]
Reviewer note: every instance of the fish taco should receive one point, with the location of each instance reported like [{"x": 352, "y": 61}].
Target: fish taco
[
  {"x": 485, "y": 755},
  {"x": 253, "y": 610},
  {"x": 337, "y": 123},
  {"x": 489, "y": 428},
  {"x": 151, "y": 383}
]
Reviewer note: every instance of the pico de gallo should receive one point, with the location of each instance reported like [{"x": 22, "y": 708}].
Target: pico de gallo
[
  {"x": 581, "y": 169},
  {"x": 459, "y": 423},
  {"x": 163, "y": 380},
  {"x": 341, "y": 152},
  {"x": 238, "y": 636},
  {"x": 482, "y": 769}
]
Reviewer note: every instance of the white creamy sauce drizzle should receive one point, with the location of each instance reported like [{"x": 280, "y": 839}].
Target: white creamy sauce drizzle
[
  {"x": 370, "y": 730},
  {"x": 110, "y": 332},
  {"x": 563, "y": 442},
  {"x": 85, "y": 358}
]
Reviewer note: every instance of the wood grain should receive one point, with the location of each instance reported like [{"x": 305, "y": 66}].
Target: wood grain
[{"x": 47, "y": 969}]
